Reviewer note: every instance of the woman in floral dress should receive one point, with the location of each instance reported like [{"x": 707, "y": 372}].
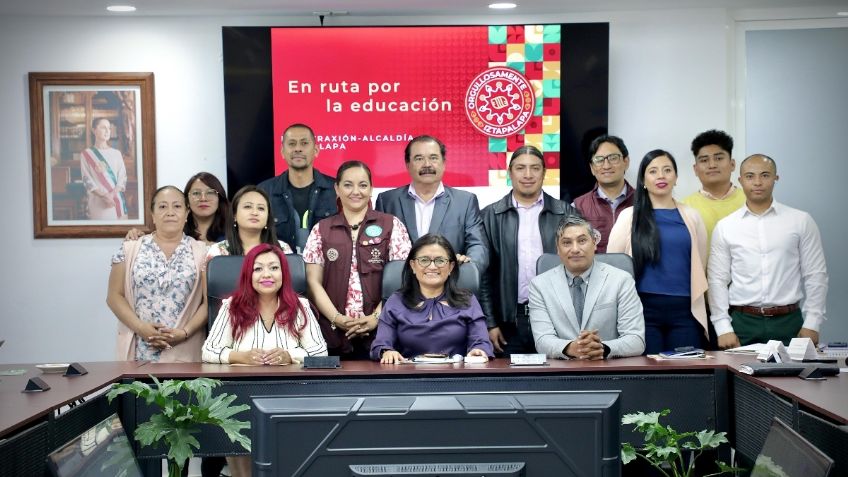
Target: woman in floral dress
[{"x": 155, "y": 288}]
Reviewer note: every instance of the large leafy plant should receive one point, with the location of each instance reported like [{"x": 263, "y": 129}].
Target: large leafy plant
[
  {"x": 179, "y": 419},
  {"x": 664, "y": 447}
]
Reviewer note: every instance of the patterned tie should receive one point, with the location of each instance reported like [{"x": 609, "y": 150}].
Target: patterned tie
[{"x": 578, "y": 298}]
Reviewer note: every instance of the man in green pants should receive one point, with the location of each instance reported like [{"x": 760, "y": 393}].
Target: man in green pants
[{"x": 764, "y": 259}]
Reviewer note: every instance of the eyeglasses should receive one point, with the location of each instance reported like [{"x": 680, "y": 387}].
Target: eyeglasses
[
  {"x": 425, "y": 262},
  {"x": 613, "y": 159},
  {"x": 208, "y": 193}
]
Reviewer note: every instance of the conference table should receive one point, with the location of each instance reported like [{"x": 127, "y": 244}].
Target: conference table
[{"x": 702, "y": 394}]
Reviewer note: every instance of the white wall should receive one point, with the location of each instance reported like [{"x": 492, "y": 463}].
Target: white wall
[
  {"x": 796, "y": 112},
  {"x": 668, "y": 81}
]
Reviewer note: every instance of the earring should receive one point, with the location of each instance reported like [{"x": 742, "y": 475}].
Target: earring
[{"x": 235, "y": 225}]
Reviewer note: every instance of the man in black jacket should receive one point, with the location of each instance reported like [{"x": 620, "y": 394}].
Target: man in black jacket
[
  {"x": 519, "y": 227},
  {"x": 302, "y": 195}
]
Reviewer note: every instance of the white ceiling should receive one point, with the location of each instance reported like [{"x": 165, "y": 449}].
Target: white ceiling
[{"x": 371, "y": 8}]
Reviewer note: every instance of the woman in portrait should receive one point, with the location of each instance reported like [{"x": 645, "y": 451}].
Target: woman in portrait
[
  {"x": 430, "y": 314},
  {"x": 263, "y": 323},
  {"x": 668, "y": 243},
  {"x": 104, "y": 175},
  {"x": 155, "y": 287},
  {"x": 345, "y": 254},
  {"x": 251, "y": 216}
]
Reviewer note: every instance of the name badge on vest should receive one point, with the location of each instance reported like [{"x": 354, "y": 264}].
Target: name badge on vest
[
  {"x": 373, "y": 230},
  {"x": 332, "y": 255}
]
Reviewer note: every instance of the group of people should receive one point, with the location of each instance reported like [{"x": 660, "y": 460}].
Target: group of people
[{"x": 725, "y": 258}]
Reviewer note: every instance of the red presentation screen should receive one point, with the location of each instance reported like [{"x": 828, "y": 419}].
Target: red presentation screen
[{"x": 366, "y": 91}]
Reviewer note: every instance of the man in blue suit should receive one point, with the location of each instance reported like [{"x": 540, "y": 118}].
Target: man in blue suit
[
  {"x": 427, "y": 206},
  {"x": 585, "y": 309}
]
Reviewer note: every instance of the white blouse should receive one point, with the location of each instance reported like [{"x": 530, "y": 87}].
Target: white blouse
[{"x": 220, "y": 342}]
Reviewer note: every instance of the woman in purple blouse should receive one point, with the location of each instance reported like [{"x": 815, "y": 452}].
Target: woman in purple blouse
[{"x": 430, "y": 314}]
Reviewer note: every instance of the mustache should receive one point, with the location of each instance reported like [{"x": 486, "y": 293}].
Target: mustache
[{"x": 426, "y": 170}]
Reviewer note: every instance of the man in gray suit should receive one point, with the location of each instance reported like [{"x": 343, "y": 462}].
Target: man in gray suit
[
  {"x": 585, "y": 309},
  {"x": 427, "y": 206}
]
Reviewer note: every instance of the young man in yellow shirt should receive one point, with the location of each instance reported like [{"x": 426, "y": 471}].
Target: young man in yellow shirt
[{"x": 714, "y": 165}]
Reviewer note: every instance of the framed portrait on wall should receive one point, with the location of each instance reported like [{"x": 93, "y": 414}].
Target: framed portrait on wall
[{"x": 93, "y": 153}]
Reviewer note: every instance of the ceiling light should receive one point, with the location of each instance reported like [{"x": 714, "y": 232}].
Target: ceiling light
[
  {"x": 502, "y": 5},
  {"x": 842, "y": 14},
  {"x": 121, "y": 8}
]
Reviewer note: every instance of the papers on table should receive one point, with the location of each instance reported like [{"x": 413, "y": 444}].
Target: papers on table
[
  {"x": 687, "y": 353},
  {"x": 753, "y": 348}
]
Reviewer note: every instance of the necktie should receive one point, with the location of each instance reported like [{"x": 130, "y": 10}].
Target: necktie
[{"x": 578, "y": 298}]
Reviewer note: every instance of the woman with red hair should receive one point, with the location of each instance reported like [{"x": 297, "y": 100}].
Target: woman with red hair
[{"x": 264, "y": 322}]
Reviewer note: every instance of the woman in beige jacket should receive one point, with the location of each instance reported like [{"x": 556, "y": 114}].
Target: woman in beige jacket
[{"x": 668, "y": 243}]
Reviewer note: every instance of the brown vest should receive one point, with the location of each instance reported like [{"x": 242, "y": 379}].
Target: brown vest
[
  {"x": 597, "y": 211},
  {"x": 372, "y": 253}
]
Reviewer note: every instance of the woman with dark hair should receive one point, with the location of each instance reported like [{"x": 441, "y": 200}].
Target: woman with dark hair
[
  {"x": 209, "y": 207},
  {"x": 668, "y": 243},
  {"x": 263, "y": 323},
  {"x": 251, "y": 216},
  {"x": 345, "y": 254},
  {"x": 155, "y": 287},
  {"x": 430, "y": 314}
]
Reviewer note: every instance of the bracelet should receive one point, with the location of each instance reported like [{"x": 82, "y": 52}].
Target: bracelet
[
  {"x": 333, "y": 320},
  {"x": 186, "y": 334}
]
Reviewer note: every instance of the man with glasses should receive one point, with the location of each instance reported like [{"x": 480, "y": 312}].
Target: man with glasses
[
  {"x": 585, "y": 309},
  {"x": 518, "y": 229},
  {"x": 302, "y": 195},
  {"x": 608, "y": 161},
  {"x": 427, "y": 206},
  {"x": 714, "y": 164}
]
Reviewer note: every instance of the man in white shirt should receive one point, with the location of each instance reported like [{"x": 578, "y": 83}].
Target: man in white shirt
[
  {"x": 428, "y": 206},
  {"x": 765, "y": 258}
]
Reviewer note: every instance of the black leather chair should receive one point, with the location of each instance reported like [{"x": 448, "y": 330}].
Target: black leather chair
[
  {"x": 469, "y": 277},
  {"x": 222, "y": 275},
  {"x": 623, "y": 261}
]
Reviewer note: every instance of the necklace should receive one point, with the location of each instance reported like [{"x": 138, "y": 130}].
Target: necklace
[{"x": 356, "y": 226}]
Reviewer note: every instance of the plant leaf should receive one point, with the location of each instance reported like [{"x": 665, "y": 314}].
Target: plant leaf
[
  {"x": 711, "y": 439},
  {"x": 643, "y": 418},
  {"x": 180, "y": 444},
  {"x": 666, "y": 453},
  {"x": 628, "y": 453}
]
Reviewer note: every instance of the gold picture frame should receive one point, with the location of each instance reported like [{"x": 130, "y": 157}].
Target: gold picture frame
[{"x": 93, "y": 153}]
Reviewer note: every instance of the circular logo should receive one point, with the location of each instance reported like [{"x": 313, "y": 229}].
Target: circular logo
[
  {"x": 373, "y": 230},
  {"x": 499, "y": 102},
  {"x": 332, "y": 255}
]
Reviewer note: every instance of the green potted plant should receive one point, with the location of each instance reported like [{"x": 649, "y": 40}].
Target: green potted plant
[
  {"x": 179, "y": 420},
  {"x": 664, "y": 447}
]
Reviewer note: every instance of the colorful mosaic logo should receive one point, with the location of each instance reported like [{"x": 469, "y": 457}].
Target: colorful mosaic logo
[
  {"x": 533, "y": 51},
  {"x": 499, "y": 102}
]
